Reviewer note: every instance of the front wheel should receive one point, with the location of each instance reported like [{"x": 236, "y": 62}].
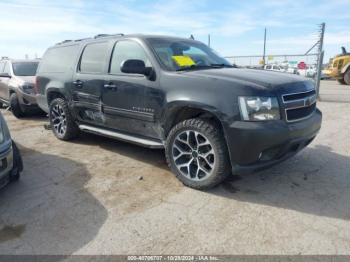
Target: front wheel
[
  {"x": 61, "y": 120},
  {"x": 347, "y": 77},
  {"x": 16, "y": 109},
  {"x": 341, "y": 81},
  {"x": 197, "y": 153}
]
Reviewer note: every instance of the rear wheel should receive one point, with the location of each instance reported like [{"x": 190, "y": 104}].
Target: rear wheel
[
  {"x": 197, "y": 154},
  {"x": 61, "y": 120},
  {"x": 347, "y": 77},
  {"x": 16, "y": 109}
]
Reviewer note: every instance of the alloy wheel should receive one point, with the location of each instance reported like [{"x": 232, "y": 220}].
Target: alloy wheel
[
  {"x": 58, "y": 119},
  {"x": 193, "y": 155}
]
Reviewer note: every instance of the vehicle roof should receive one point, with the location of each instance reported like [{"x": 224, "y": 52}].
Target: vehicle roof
[{"x": 119, "y": 36}]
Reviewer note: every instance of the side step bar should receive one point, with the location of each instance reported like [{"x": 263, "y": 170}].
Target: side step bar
[{"x": 121, "y": 136}]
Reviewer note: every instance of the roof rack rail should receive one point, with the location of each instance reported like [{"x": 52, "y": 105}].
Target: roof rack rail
[
  {"x": 82, "y": 39},
  {"x": 63, "y": 42},
  {"x": 107, "y": 35}
]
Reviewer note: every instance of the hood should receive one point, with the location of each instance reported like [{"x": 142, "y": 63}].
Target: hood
[{"x": 258, "y": 77}]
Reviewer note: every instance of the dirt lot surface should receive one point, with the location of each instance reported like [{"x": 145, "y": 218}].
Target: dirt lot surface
[{"x": 99, "y": 196}]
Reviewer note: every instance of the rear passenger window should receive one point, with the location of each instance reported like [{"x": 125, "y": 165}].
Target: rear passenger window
[
  {"x": 94, "y": 58},
  {"x": 125, "y": 50},
  {"x": 58, "y": 59}
]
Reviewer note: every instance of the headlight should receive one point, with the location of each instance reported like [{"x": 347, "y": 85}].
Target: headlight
[
  {"x": 27, "y": 88},
  {"x": 259, "y": 108}
]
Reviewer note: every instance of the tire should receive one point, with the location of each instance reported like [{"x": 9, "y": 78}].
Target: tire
[
  {"x": 347, "y": 77},
  {"x": 207, "y": 163},
  {"x": 341, "y": 81},
  {"x": 16, "y": 109},
  {"x": 61, "y": 120},
  {"x": 17, "y": 164}
]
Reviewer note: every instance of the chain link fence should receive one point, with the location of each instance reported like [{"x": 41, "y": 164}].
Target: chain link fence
[
  {"x": 305, "y": 65},
  {"x": 308, "y": 64}
]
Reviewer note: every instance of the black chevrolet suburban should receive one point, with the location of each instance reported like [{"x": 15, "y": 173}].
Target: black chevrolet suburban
[{"x": 178, "y": 94}]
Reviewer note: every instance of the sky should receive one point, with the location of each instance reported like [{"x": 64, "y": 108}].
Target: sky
[{"x": 236, "y": 27}]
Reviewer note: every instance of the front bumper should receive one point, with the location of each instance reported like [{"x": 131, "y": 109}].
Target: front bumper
[
  {"x": 27, "y": 101},
  {"x": 254, "y": 146}
]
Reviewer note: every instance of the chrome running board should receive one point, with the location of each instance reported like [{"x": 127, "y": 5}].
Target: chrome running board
[{"x": 113, "y": 134}]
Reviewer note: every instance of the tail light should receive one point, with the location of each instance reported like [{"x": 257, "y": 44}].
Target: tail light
[{"x": 36, "y": 85}]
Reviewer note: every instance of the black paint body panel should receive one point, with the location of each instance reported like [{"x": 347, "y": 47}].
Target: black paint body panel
[{"x": 142, "y": 106}]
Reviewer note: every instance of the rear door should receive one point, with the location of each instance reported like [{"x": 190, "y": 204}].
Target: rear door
[{"x": 88, "y": 82}]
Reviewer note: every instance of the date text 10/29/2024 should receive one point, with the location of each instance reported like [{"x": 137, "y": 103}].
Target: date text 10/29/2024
[{"x": 173, "y": 258}]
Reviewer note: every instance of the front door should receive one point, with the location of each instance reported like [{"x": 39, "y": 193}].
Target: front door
[{"x": 123, "y": 95}]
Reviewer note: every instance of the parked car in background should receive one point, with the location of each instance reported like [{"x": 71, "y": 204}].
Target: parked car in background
[
  {"x": 309, "y": 71},
  {"x": 175, "y": 93},
  {"x": 274, "y": 68},
  {"x": 17, "y": 80},
  {"x": 10, "y": 158}
]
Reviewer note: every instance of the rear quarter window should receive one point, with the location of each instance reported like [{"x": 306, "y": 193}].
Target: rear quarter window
[{"x": 58, "y": 59}]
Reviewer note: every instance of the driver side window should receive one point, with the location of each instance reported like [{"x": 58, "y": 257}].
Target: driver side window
[{"x": 125, "y": 50}]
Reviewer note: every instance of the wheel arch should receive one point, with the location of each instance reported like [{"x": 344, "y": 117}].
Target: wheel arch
[
  {"x": 53, "y": 93},
  {"x": 179, "y": 112}
]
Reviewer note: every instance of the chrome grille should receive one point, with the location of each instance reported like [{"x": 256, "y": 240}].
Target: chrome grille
[{"x": 299, "y": 106}]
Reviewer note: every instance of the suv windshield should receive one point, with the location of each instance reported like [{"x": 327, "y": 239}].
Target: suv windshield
[
  {"x": 25, "y": 68},
  {"x": 177, "y": 54}
]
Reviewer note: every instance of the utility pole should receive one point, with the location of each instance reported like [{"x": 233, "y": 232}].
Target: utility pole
[
  {"x": 320, "y": 58},
  {"x": 264, "y": 47},
  {"x": 209, "y": 40}
]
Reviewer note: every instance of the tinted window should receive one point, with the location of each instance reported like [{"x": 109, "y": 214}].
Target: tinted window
[
  {"x": 25, "y": 68},
  {"x": 198, "y": 54},
  {"x": 58, "y": 59},
  {"x": 125, "y": 50},
  {"x": 94, "y": 58}
]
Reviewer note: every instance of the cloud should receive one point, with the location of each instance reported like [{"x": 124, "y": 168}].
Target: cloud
[{"x": 234, "y": 25}]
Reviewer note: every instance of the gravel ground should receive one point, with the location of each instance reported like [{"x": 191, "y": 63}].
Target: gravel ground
[{"x": 99, "y": 196}]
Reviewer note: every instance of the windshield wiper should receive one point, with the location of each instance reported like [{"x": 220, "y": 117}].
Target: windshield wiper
[
  {"x": 195, "y": 67},
  {"x": 192, "y": 67},
  {"x": 220, "y": 65}
]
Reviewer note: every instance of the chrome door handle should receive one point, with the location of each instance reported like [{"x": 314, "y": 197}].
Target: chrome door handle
[
  {"x": 78, "y": 83},
  {"x": 110, "y": 86}
]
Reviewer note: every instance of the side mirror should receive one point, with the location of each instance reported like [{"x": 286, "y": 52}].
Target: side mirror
[
  {"x": 135, "y": 66},
  {"x": 5, "y": 75}
]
